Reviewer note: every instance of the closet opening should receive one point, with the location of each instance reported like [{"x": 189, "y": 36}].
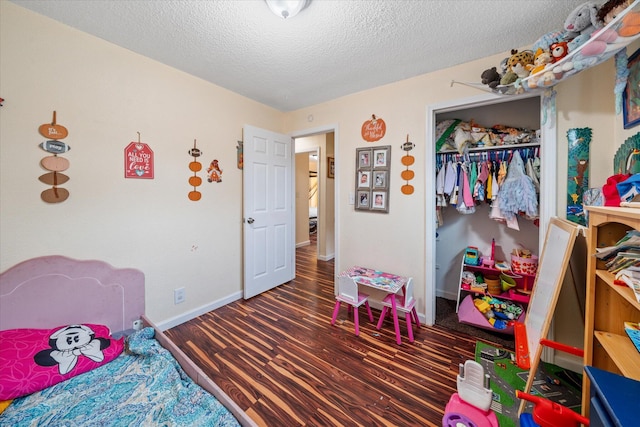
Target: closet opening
[{"x": 463, "y": 223}]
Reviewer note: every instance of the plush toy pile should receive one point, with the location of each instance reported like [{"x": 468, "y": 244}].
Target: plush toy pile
[{"x": 585, "y": 23}]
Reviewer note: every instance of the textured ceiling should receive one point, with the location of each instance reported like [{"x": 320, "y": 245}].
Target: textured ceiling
[{"x": 331, "y": 49}]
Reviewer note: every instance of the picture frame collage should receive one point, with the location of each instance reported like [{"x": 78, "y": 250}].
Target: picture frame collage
[{"x": 373, "y": 166}]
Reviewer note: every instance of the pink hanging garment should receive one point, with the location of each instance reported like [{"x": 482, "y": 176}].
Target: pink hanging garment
[{"x": 467, "y": 205}]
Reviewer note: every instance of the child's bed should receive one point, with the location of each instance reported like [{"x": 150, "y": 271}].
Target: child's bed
[{"x": 56, "y": 316}]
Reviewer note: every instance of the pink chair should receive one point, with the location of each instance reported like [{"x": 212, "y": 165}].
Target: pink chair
[
  {"x": 404, "y": 303},
  {"x": 348, "y": 294}
]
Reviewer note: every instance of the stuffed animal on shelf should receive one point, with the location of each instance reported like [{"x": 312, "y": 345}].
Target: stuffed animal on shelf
[
  {"x": 508, "y": 78},
  {"x": 629, "y": 26},
  {"x": 519, "y": 61},
  {"x": 582, "y": 20},
  {"x": 630, "y": 23},
  {"x": 558, "y": 51},
  {"x": 577, "y": 42},
  {"x": 540, "y": 60},
  {"x": 490, "y": 77},
  {"x": 546, "y": 40}
]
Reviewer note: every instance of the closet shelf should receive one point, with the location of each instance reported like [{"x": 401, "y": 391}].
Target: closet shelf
[
  {"x": 494, "y": 147},
  {"x": 602, "y": 45}
]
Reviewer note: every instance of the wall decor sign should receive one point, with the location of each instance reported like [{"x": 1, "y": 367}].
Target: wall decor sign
[
  {"x": 578, "y": 173},
  {"x": 54, "y": 164},
  {"x": 374, "y": 129},
  {"x": 138, "y": 160},
  {"x": 407, "y": 160},
  {"x": 372, "y": 178},
  {"x": 631, "y": 93},
  {"x": 195, "y": 166},
  {"x": 214, "y": 171}
]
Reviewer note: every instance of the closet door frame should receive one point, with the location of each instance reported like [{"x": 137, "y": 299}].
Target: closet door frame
[{"x": 548, "y": 178}]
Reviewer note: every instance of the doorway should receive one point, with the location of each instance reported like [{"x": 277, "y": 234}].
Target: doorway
[{"x": 315, "y": 193}]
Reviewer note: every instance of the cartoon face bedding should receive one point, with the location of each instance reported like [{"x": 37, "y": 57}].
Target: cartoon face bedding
[
  {"x": 34, "y": 359},
  {"x": 144, "y": 386}
]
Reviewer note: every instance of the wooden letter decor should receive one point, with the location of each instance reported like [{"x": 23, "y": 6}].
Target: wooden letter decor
[
  {"x": 138, "y": 160},
  {"x": 374, "y": 129}
]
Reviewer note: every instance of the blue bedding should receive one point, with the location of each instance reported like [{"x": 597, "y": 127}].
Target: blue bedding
[{"x": 144, "y": 386}]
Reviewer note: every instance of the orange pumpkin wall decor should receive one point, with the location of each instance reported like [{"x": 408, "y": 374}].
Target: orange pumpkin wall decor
[{"x": 374, "y": 129}]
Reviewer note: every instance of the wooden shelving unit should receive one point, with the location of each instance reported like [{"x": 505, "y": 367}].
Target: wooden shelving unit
[{"x": 608, "y": 305}]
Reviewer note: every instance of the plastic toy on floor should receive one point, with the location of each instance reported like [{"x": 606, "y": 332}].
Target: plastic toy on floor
[
  {"x": 549, "y": 414},
  {"x": 471, "y": 405}
]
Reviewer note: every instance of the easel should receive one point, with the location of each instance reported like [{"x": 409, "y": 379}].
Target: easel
[{"x": 531, "y": 335}]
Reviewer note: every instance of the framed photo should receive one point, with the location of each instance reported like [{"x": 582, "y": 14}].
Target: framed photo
[
  {"x": 379, "y": 200},
  {"x": 331, "y": 167},
  {"x": 380, "y": 158},
  {"x": 379, "y": 179},
  {"x": 372, "y": 179},
  {"x": 364, "y": 159},
  {"x": 364, "y": 179},
  {"x": 363, "y": 200},
  {"x": 631, "y": 93}
]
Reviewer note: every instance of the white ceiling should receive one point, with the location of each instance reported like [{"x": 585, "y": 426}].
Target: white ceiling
[{"x": 331, "y": 49}]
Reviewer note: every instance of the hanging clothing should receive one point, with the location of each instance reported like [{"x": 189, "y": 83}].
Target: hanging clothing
[
  {"x": 465, "y": 203},
  {"x": 450, "y": 179},
  {"x": 441, "y": 200},
  {"x": 531, "y": 173},
  {"x": 517, "y": 192}
]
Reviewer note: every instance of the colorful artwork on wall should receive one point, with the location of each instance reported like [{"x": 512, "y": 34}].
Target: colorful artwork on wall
[
  {"x": 578, "y": 173},
  {"x": 138, "y": 160}
]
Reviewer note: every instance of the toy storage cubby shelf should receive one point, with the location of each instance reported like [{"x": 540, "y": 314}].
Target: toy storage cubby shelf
[
  {"x": 524, "y": 282},
  {"x": 608, "y": 305}
]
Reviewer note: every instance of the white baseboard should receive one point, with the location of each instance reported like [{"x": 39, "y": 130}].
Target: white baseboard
[
  {"x": 446, "y": 294},
  {"x": 301, "y": 244},
  {"x": 192, "y": 314},
  {"x": 326, "y": 257}
]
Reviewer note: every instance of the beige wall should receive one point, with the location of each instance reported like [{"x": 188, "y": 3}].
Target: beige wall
[{"x": 105, "y": 94}]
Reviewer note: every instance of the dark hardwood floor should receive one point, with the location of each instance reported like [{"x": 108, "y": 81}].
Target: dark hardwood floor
[{"x": 277, "y": 356}]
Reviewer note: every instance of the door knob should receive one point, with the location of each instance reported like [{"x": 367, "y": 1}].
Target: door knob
[{"x": 250, "y": 220}]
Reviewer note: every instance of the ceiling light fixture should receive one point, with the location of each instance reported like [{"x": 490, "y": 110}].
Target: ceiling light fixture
[{"x": 286, "y": 8}]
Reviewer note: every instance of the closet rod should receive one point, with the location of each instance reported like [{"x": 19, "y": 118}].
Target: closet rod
[{"x": 493, "y": 147}]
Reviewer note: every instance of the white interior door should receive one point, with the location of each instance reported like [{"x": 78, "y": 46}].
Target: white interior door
[{"x": 269, "y": 221}]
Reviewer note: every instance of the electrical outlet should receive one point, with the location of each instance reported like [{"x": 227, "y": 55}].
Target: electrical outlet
[{"x": 179, "y": 295}]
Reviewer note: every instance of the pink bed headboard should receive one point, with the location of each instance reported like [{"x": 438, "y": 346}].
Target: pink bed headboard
[{"x": 52, "y": 291}]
